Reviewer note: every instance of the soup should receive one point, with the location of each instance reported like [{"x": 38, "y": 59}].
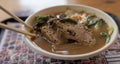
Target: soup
[{"x": 71, "y": 32}]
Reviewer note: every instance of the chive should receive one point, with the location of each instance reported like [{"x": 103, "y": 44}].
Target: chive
[
  {"x": 99, "y": 23},
  {"x": 107, "y": 39},
  {"x": 91, "y": 21},
  {"x": 106, "y": 36},
  {"x": 103, "y": 34},
  {"x": 40, "y": 20},
  {"x": 45, "y": 18},
  {"x": 69, "y": 20},
  {"x": 94, "y": 21},
  {"x": 110, "y": 29}
]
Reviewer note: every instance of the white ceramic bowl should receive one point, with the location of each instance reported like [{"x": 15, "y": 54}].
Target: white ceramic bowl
[{"x": 51, "y": 10}]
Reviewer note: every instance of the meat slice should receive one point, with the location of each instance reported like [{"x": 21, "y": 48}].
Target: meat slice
[
  {"x": 61, "y": 32},
  {"x": 79, "y": 32},
  {"x": 50, "y": 35}
]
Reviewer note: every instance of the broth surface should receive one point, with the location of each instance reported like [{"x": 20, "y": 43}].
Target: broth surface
[
  {"x": 78, "y": 34},
  {"x": 74, "y": 48}
]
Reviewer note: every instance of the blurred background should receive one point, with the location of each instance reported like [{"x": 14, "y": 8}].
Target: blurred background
[
  {"x": 27, "y": 7},
  {"x": 13, "y": 49}
]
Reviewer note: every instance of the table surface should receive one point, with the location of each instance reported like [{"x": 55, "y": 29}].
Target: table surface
[
  {"x": 27, "y": 7},
  {"x": 14, "y": 51}
]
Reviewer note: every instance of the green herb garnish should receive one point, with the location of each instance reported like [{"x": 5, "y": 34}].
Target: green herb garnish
[
  {"x": 69, "y": 20},
  {"x": 106, "y": 36},
  {"x": 110, "y": 30},
  {"x": 99, "y": 23},
  {"x": 94, "y": 21},
  {"x": 40, "y": 20}
]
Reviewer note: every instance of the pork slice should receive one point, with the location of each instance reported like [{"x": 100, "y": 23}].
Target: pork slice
[
  {"x": 77, "y": 32},
  {"x": 50, "y": 34}
]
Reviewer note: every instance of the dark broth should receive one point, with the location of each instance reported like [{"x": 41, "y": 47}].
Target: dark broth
[{"x": 73, "y": 48}]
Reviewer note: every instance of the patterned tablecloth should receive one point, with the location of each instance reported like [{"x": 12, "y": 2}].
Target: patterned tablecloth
[{"x": 14, "y": 51}]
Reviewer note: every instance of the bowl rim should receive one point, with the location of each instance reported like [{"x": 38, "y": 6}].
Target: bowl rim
[{"x": 77, "y": 56}]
